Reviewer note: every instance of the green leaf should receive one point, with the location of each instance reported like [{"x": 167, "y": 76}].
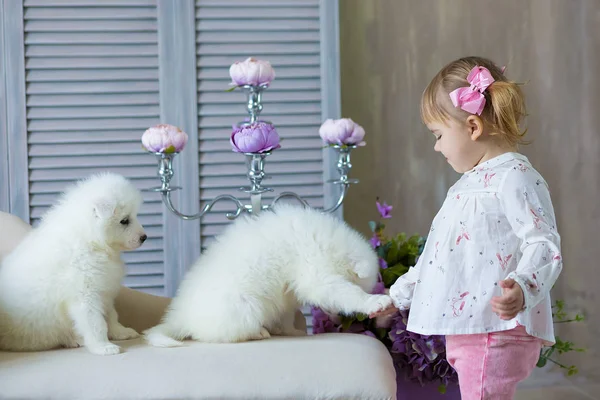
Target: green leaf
[
  {"x": 392, "y": 273},
  {"x": 231, "y": 89},
  {"x": 442, "y": 389},
  {"x": 558, "y": 310},
  {"x": 373, "y": 226},
  {"x": 392, "y": 255},
  {"x": 381, "y": 332},
  {"x": 383, "y": 250},
  {"x": 541, "y": 362},
  {"x": 361, "y": 317},
  {"x": 347, "y": 321},
  {"x": 559, "y": 304},
  {"x": 401, "y": 237},
  {"x": 170, "y": 149}
]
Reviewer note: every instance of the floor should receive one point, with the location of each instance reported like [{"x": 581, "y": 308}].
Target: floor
[
  {"x": 543, "y": 385},
  {"x": 570, "y": 392}
]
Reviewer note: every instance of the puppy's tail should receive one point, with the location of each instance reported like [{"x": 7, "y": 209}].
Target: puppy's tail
[{"x": 158, "y": 336}]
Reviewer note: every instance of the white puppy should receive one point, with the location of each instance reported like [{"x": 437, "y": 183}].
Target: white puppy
[
  {"x": 250, "y": 282},
  {"x": 57, "y": 288}
]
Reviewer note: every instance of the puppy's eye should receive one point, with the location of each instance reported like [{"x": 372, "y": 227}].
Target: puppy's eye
[{"x": 125, "y": 221}]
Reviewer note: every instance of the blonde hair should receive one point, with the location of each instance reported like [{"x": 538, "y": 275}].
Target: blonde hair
[{"x": 504, "y": 107}]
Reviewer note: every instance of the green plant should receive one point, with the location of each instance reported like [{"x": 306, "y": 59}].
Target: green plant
[{"x": 560, "y": 316}]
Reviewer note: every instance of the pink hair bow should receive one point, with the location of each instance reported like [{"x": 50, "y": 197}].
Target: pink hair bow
[{"x": 471, "y": 99}]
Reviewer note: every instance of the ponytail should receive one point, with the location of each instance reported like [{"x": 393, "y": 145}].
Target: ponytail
[{"x": 506, "y": 111}]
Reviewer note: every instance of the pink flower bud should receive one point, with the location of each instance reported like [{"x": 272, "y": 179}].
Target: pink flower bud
[
  {"x": 342, "y": 132},
  {"x": 164, "y": 138},
  {"x": 251, "y": 72}
]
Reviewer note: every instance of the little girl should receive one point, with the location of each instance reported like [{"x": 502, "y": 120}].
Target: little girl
[{"x": 493, "y": 251}]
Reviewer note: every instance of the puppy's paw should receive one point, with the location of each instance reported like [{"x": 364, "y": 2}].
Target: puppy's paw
[
  {"x": 377, "y": 303},
  {"x": 104, "y": 349},
  {"x": 122, "y": 333},
  {"x": 263, "y": 334}
]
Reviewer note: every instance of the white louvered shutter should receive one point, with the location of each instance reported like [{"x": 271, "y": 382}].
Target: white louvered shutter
[
  {"x": 287, "y": 34},
  {"x": 92, "y": 89}
]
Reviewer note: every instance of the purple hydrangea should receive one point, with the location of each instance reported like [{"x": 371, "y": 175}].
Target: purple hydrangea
[
  {"x": 423, "y": 357},
  {"x": 322, "y": 323}
]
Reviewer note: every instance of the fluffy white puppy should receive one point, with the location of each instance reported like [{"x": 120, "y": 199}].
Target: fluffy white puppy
[
  {"x": 57, "y": 287},
  {"x": 250, "y": 282}
]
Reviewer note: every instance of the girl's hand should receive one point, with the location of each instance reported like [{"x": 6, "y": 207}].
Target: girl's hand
[
  {"x": 511, "y": 302},
  {"x": 386, "y": 311}
]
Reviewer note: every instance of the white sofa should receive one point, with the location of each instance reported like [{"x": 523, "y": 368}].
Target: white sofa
[{"x": 329, "y": 366}]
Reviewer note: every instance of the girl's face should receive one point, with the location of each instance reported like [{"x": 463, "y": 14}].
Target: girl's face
[{"x": 457, "y": 141}]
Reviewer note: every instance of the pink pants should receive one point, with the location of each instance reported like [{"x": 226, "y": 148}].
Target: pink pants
[{"x": 490, "y": 365}]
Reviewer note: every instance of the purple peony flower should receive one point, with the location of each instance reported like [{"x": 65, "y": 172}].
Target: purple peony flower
[
  {"x": 251, "y": 72},
  {"x": 342, "y": 132},
  {"x": 259, "y": 137},
  {"x": 382, "y": 263},
  {"x": 384, "y": 210},
  {"x": 164, "y": 138}
]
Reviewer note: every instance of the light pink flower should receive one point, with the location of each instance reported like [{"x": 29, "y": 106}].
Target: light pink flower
[
  {"x": 342, "y": 132},
  {"x": 251, "y": 72},
  {"x": 164, "y": 138}
]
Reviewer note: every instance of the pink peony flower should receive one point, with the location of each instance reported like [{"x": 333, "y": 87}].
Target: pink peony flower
[
  {"x": 342, "y": 132},
  {"x": 251, "y": 72},
  {"x": 164, "y": 138}
]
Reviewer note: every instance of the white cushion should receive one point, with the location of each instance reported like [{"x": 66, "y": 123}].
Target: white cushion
[{"x": 328, "y": 366}]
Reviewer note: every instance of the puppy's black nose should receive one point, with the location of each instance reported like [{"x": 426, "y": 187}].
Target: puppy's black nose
[{"x": 143, "y": 238}]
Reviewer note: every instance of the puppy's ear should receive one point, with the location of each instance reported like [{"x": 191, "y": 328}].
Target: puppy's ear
[
  {"x": 104, "y": 209},
  {"x": 363, "y": 269}
]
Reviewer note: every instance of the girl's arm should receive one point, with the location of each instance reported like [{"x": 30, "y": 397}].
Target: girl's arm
[{"x": 528, "y": 208}]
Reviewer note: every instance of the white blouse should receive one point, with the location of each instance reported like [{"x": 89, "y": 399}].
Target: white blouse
[{"x": 497, "y": 222}]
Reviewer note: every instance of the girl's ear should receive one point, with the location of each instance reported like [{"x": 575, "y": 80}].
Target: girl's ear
[{"x": 475, "y": 126}]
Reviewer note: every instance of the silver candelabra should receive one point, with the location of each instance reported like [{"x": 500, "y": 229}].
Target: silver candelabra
[{"x": 255, "y": 163}]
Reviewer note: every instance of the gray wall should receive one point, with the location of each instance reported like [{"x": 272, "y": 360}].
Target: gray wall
[{"x": 390, "y": 49}]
